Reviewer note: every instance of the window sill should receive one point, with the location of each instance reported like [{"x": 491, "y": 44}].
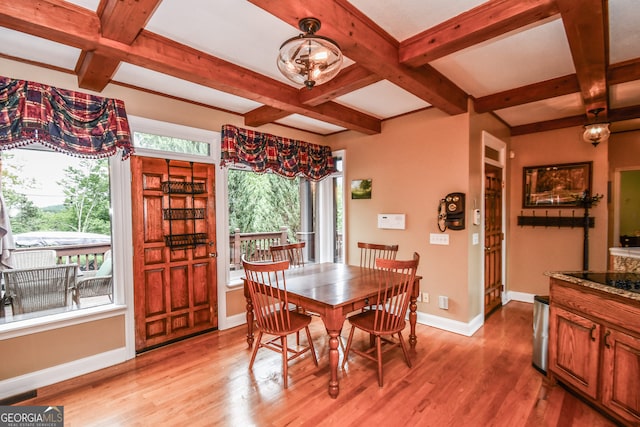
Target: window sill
[
  {"x": 61, "y": 320},
  {"x": 235, "y": 283}
]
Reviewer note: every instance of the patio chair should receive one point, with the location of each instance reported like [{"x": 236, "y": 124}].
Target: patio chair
[
  {"x": 37, "y": 289},
  {"x": 32, "y": 259},
  {"x": 387, "y": 316},
  {"x": 98, "y": 283},
  {"x": 268, "y": 290}
]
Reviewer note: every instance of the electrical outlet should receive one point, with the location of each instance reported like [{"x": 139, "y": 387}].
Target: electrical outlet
[
  {"x": 438, "y": 239},
  {"x": 425, "y": 297}
]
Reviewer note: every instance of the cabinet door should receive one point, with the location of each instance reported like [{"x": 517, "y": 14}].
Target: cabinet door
[
  {"x": 574, "y": 350},
  {"x": 621, "y": 374}
]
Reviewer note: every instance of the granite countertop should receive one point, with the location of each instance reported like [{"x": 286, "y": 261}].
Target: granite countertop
[{"x": 568, "y": 276}]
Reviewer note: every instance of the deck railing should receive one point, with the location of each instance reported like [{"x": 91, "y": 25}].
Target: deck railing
[
  {"x": 88, "y": 256},
  {"x": 254, "y": 246}
]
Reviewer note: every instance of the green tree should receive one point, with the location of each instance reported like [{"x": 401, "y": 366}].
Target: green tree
[
  {"x": 24, "y": 213},
  {"x": 263, "y": 202},
  {"x": 86, "y": 205}
]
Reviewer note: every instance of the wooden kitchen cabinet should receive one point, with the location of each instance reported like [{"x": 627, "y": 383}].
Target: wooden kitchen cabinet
[
  {"x": 594, "y": 347},
  {"x": 575, "y": 351},
  {"x": 621, "y": 374}
]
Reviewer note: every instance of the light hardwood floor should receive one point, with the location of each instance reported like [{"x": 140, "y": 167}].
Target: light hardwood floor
[{"x": 483, "y": 380}]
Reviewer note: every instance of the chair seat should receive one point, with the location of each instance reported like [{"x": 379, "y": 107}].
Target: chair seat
[
  {"x": 298, "y": 321},
  {"x": 366, "y": 322}
]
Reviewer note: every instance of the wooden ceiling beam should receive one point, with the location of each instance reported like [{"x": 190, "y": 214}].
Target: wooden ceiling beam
[
  {"x": 263, "y": 115},
  {"x": 369, "y": 46},
  {"x": 349, "y": 79},
  {"x": 78, "y": 27},
  {"x": 584, "y": 24},
  {"x": 477, "y": 25},
  {"x": 121, "y": 21},
  {"x": 535, "y": 92}
]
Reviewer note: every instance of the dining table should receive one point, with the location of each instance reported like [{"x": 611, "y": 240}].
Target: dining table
[{"x": 333, "y": 290}]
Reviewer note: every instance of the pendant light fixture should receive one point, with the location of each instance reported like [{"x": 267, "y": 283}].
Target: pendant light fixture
[
  {"x": 596, "y": 132},
  {"x": 309, "y": 59}
]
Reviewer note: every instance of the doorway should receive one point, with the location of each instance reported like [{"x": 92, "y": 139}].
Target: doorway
[
  {"x": 174, "y": 244},
  {"x": 494, "y": 163}
]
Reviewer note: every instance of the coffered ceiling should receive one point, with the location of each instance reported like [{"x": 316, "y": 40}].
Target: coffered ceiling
[{"x": 535, "y": 64}]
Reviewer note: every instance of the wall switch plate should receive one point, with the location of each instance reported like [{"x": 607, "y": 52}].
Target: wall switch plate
[
  {"x": 476, "y": 238},
  {"x": 443, "y": 302},
  {"x": 439, "y": 239}
]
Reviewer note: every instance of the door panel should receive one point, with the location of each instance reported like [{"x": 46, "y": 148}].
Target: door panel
[
  {"x": 492, "y": 239},
  {"x": 175, "y": 287}
]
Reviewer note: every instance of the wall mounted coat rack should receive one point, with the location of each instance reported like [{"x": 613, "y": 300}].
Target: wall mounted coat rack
[{"x": 554, "y": 220}]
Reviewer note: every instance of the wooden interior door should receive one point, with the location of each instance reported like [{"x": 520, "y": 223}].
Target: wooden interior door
[
  {"x": 173, "y": 208},
  {"x": 493, "y": 236}
]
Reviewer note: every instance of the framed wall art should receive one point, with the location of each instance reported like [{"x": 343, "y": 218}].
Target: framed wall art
[
  {"x": 361, "y": 189},
  {"x": 556, "y": 186}
]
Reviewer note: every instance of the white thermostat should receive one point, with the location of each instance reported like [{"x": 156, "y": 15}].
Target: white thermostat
[{"x": 391, "y": 221}]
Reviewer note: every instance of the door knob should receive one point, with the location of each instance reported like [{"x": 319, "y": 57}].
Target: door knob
[{"x": 213, "y": 255}]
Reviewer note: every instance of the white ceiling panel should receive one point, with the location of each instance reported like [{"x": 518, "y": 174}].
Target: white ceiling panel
[
  {"x": 624, "y": 94},
  {"x": 21, "y": 45},
  {"x": 624, "y": 37},
  {"x": 251, "y": 42},
  {"x": 526, "y": 56},
  {"x": 313, "y": 125},
  {"x": 405, "y": 18},
  {"x": 382, "y": 99},
  {"x": 162, "y": 83},
  {"x": 549, "y": 109}
]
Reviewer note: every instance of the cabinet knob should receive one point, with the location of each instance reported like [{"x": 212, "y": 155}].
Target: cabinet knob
[
  {"x": 593, "y": 337},
  {"x": 606, "y": 335}
]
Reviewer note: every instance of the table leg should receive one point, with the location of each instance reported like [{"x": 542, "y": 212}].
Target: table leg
[
  {"x": 413, "y": 318},
  {"x": 249, "y": 322},
  {"x": 333, "y": 322}
]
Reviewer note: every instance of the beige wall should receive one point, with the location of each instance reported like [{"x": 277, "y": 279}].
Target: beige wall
[
  {"x": 43, "y": 350},
  {"x": 413, "y": 163},
  {"x": 535, "y": 250}
]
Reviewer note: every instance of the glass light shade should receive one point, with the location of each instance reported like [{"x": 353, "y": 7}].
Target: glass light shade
[
  {"x": 596, "y": 133},
  {"x": 309, "y": 60}
]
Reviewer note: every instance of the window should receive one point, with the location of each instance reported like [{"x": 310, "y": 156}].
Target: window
[
  {"x": 59, "y": 216},
  {"x": 266, "y": 209},
  {"x": 169, "y": 143}
]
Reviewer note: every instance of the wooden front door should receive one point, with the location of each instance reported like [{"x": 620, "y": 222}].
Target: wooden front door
[
  {"x": 173, "y": 208},
  {"x": 492, "y": 239}
]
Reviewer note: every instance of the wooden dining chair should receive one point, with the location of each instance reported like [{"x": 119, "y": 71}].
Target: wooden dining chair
[
  {"x": 370, "y": 251},
  {"x": 292, "y": 252},
  {"x": 387, "y": 317},
  {"x": 268, "y": 290}
]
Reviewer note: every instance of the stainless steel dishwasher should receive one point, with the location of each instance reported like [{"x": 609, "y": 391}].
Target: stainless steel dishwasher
[{"x": 540, "y": 332}]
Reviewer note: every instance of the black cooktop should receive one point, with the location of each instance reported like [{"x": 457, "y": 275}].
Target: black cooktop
[{"x": 627, "y": 281}]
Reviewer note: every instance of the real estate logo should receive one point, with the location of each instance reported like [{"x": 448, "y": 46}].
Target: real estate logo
[{"x": 31, "y": 416}]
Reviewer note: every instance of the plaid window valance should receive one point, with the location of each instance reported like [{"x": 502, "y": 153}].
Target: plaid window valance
[
  {"x": 284, "y": 156},
  {"x": 76, "y": 123}
]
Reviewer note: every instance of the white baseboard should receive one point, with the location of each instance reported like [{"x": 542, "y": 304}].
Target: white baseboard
[
  {"x": 233, "y": 321},
  {"x": 455, "y": 326},
  {"x": 34, "y": 380},
  {"x": 521, "y": 296}
]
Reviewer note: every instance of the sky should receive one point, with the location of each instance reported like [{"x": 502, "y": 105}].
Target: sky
[{"x": 47, "y": 168}]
